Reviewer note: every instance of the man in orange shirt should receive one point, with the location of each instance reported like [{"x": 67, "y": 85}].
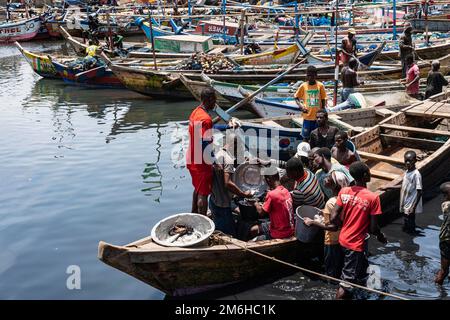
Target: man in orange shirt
[
  {"x": 311, "y": 97},
  {"x": 198, "y": 161}
]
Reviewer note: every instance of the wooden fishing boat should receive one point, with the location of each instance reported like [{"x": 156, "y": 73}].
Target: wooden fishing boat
[
  {"x": 228, "y": 93},
  {"x": 278, "y": 137},
  {"x": 424, "y": 128},
  {"x": 167, "y": 83},
  {"x": 23, "y": 30},
  {"x": 434, "y": 25},
  {"x": 434, "y": 51},
  {"x": 281, "y": 56},
  {"x": 41, "y": 64},
  {"x": 100, "y": 77},
  {"x": 156, "y": 30},
  {"x": 158, "y": 84},
  {"x": 268, "y": 108},
  {"x": 185, "y": 271}
]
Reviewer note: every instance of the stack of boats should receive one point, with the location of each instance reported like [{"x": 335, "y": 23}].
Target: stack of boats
[{"x": 256, "y": 45}]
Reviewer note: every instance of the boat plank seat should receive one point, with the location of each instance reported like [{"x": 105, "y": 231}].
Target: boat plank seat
[
  {"x": 413, "y": 142},
  {"x": 416, "y": 130},
  {"x": 271, "y": 123},
  {"x": 220, "y": 49},
  {"x": 384, "y": 112},
  {"x": 379, "y": 157},
  {"x": 431, "y": 110},
  {"x": 383, "y": 175}
]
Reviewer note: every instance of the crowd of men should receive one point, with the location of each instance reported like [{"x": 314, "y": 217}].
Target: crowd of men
[{"x": 326, "y": 173}]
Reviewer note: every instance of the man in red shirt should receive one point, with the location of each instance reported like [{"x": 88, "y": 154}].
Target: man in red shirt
[
  {"x": 278, "y": 206},
  {"x": 198, "y": 161},
  {"x": 412, "y": 78},
  {"x": 356, "y": 209}
]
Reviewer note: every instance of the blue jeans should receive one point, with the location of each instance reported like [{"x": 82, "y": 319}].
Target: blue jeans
[
  {"x": 223, "y": 219},
  {"x": 345, "y": 93},
  {"x": 341, "y": 106},
  {"x": 307, "y": 127}
]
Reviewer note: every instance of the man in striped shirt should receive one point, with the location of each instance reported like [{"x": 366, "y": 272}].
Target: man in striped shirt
[{"x": 307, "y": 189}]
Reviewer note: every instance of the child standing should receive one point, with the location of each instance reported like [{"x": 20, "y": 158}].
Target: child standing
[
  {"x": 411, "y": 193},
  {"x": 311, "y": 97},
  {"x": 444, "y": 236},
  {"x": 333, "y": 253}
]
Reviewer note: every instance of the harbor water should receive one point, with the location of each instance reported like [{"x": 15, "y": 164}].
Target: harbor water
[{"x": 80, "y": 165}]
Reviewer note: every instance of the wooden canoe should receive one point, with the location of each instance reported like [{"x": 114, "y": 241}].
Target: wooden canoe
[
  {"x": 185, "y": 271},
  {"x": 422, "y": 127},
  {"x": 285, "y": 131},
  {"x": 22, "y": 30},
  {"x": 167, "y": 83},
  {"x": 99, "y": 77},
  {"x": 41, "y": 64},
  {"x": 268, "y": 108}
]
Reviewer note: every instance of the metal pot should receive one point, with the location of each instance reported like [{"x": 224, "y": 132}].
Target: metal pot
[{"x": 247, "y": 209}]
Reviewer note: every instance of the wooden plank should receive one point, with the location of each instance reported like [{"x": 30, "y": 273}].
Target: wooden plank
[
  {"x": 413, "y": 142},
  {"x": 379, "y": 157},
  {"x": 271, "y": 123},
  {"x": 383, "y": 175},
  {"x": 384, "y": 112},
  {"x": 445, "y": 115},
  {"x": 431, "y": 132}
]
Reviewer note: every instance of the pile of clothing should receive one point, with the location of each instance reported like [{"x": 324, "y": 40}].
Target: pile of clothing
[{"x": 84, "y": 64}]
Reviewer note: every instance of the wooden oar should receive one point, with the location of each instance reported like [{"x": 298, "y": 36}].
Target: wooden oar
[{"x": 225, "y": 115}]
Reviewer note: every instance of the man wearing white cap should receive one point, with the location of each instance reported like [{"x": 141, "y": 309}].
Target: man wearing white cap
[
  {"x": 303, "y": 150},
  {"x": 348, "y": 47}
]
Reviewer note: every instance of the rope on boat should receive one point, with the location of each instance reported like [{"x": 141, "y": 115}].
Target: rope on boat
[{"x": 310, "y": 271}]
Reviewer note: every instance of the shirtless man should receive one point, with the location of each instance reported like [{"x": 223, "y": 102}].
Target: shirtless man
[
  {"x": 349, "y": 78},
  {"x": 340, "y": 151}
]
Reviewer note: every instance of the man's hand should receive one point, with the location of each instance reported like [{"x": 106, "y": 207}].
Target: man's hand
[
  {"x": 249, "y": 194},
  {"x": 308, "y": 221},
  {"x": 234, "y": 123},
  {"x": 382, "y": 238}
]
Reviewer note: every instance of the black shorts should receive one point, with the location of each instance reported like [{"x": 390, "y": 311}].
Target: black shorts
[
  {"x": 333, "y": 260},
  {"x": 444, "y": 246},
  {"x": 355, "y": 267}
]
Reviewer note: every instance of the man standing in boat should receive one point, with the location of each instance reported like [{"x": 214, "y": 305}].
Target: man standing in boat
[
  {"x": 310, "y": 97},
  {"x": 8, "y": 8},
  {"x": 198, "y": 162},
  {"x": 348, "y": 46},
  {"x": 349, "y": 78},
  {"x": 406, "y": 47}
]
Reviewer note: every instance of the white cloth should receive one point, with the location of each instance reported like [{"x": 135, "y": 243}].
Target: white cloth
[{"x": 412, "y": 181}]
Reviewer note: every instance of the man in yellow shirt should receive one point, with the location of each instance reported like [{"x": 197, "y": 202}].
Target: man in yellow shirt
[
  {"x": 310, "y": 97},
  {"x": 92, "y": 49}
]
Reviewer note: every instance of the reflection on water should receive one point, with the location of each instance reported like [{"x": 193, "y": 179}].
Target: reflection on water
[{"x": 152, "y": 174}]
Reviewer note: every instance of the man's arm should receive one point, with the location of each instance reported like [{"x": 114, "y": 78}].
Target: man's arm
[
  {"x": 375, "y": 229},
  {"x": 260, "y": 209},
  {"x": 335, "y": 213},
  {"x": 233, "y": 188},
  {"x": 327, "y": 227}
]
